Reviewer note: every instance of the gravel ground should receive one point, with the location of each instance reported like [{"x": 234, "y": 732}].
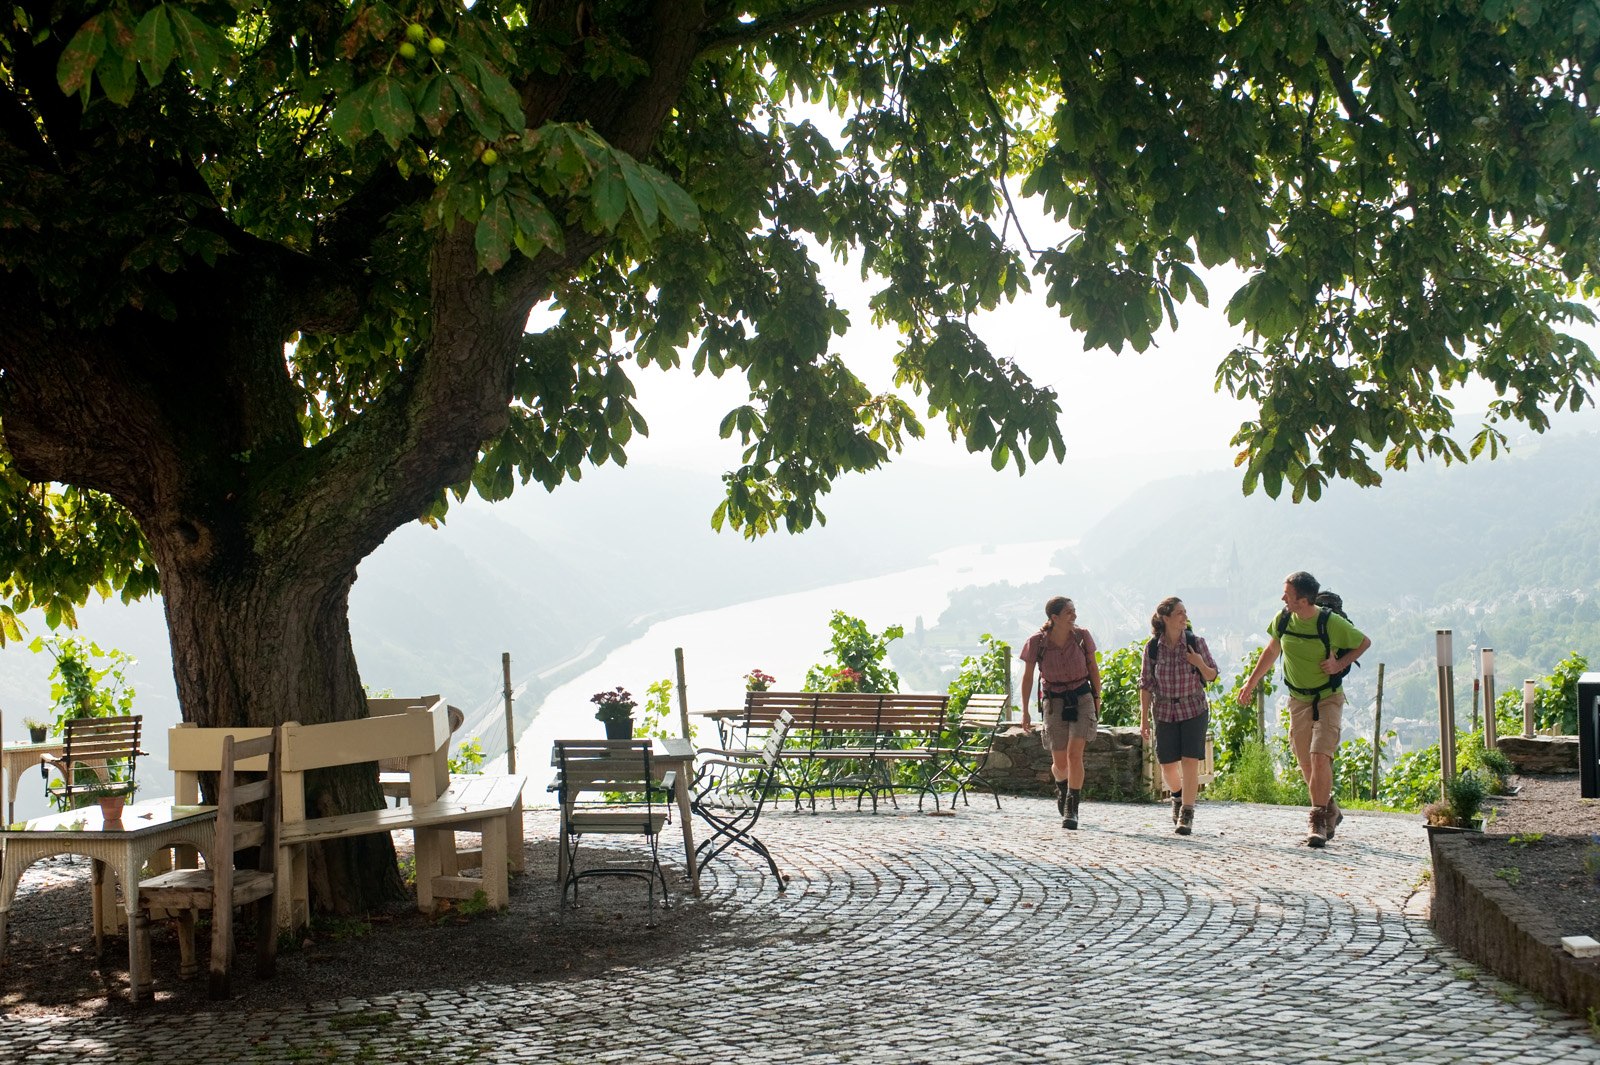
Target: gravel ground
[{"x": 51, "y": 968}]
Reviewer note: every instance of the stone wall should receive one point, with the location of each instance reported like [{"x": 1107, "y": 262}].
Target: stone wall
[
  {"x": 1112, "y": 763},
  {"x": 1541, "y": 754},
  {"x": 1485, "y": 922}
]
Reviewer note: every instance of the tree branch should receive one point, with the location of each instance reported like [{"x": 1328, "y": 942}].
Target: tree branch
[{"x": 762, "y": 28}]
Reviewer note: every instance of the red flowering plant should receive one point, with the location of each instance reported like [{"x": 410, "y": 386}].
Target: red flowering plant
[
  {"x": 844, "y": 679},
  {"x": 757, "y": 681},
  {"x": 615, "y": 705}
]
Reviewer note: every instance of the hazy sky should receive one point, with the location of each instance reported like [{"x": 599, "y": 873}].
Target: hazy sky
[{"x": 1157, "y": 402}]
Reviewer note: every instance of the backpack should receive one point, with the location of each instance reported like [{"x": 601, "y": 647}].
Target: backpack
[
  {"x": 1327, "y": 603},
  {"x": 1153, "y": 646}
]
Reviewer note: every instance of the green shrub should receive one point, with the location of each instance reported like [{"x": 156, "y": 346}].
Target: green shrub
[
  {"x": 1413, "y": 781},
  {"x": 1465, "y": 794},
  {"x": 1119, "y": 684},
  {"x": 1253, "y": 777}
]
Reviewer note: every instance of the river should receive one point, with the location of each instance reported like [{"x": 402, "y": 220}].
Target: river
[{"x": 782, "y": 635}]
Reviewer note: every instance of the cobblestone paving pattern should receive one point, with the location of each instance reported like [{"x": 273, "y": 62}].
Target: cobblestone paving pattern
[{"x": 986, "y": 937}]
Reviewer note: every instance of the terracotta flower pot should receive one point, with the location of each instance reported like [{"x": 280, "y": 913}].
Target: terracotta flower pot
[{"x": 111, "y": 807}]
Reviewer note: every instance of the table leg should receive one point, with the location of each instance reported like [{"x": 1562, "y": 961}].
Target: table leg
[
  {"x": 138, "y": 968},
  {"x": 686, "y": 815}
]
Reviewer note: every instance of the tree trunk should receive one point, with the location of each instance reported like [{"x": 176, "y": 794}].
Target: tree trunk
[{"x": 263, "y": 648}]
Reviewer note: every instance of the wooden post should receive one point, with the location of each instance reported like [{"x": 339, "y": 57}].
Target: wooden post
[
  {"x": 1491, "y": 738},
  {"x": 1010, "y": 698},
  {"x": 683, "y": 694},
  {"x": 511, "y": 723},
  {"x": 1377, "y": 732},
  {"x": 1261, "y": 712},
  {"x": 1447, "y": 718}
]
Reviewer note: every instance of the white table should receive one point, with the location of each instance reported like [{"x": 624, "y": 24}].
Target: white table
[
  {"x": 124, "y": 846},
  {"x": 16, "y": 759}
]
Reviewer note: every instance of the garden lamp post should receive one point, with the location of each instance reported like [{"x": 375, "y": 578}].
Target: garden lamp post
[
  {"x": 1447, "y": 717},
  {"x": 1490, "y": 739},
  {"x": 1529, "y": 688},
  {"x": 1472, "y": 656}
]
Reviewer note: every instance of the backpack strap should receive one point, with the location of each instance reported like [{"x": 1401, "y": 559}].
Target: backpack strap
[{"x": 1332, "y": 684}]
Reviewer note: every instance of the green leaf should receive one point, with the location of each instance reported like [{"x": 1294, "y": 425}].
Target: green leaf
[
  {"x": 436, "y": 104},
  {"x": 118, "y": 74},
  {"x": 536, "y": 227},
  {"x": 198, "y": 43},
  {"x": 352, "y": 119},
  {"x": 154, "y": 45},
  {"x": 391, "y": 111},
  {"x": 493, "y": 236},
  {"x": 609, "y": 195},
  {"x": 642, "y": 195},
  {"x": 499, "y": 93},
  {"x": 82, "y": 53}
]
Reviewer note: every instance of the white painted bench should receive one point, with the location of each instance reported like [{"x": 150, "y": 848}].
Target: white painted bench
[{"x": 439, "y": 807}]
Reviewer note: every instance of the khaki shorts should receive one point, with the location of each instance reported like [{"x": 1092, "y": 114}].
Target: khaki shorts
[
  {"x": 1058, "y": 733},
  {"x": 1322, "y": 735}
]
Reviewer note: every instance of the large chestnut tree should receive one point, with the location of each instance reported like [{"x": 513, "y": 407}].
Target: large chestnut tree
[{"x": 267, "y": 269}]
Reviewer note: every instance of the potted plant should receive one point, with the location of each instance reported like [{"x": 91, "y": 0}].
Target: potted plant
[
  {"x": 111, "y": 795},
  {"x": 1462, "y": 808},
  {"x": 616, "y": 712},
  {"x": 38, "y": 730},
  {"x": 757, "y": 681}
]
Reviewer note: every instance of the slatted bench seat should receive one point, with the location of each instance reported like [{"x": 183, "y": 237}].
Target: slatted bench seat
[
  {"x": 438, "y": 808},
  {"x": 850, "y": 741}
]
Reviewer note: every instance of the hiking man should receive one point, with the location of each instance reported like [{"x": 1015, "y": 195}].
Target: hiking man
[{"x": 1319, "y": 646}]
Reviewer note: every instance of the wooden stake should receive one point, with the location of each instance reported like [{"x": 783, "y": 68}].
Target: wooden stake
[
  {"x": 511, "y": 724},
  {"x": 683, "y": 694},
  {"x": 1377, "y": 730}
]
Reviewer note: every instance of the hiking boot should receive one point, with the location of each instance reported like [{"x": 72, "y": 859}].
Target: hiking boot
[
  {"x": 1177, "y": 806},
  {"x": 1061, "y": 798},
  {"x": 1070, "y": 820},
  {"x": 1335, "y": 815},
  {"x": 1185, "y": 821},
  {"x": 1318, "y": 834}
]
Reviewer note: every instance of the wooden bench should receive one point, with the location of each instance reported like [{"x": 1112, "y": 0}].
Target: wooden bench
[
  {"x": 851, "y": 741},
  {"x": 439, "y": 807}
]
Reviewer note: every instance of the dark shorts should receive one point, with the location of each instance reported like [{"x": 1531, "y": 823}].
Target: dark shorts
[{"x": 1182, "y": 739}]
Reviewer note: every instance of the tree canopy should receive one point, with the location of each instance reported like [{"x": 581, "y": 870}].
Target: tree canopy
[{"x": 268, "y": 267}]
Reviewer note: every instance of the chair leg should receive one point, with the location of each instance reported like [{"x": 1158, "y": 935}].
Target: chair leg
[
  {"x": 188, "y": 962},
  {"x": 266, "y": 939},
  {"x": 222, "y": 948}
]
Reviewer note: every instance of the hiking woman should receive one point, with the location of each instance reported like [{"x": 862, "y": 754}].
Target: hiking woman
[
  {"x": 1177, "y": 667},
  {"x": 1069, "y": 698}
]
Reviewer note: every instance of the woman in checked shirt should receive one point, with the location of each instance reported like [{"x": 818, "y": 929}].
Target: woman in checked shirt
[{"x": 1177, "y": 667}]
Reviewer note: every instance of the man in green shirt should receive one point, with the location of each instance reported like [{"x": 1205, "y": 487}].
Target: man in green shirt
[{"x": 1318, "y": 647}]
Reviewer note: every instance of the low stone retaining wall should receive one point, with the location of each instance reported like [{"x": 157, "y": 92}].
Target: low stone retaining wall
[
  {"x": 1112, "y": 764},
  {"x": 1541, "y": 754},
  {"x": 1484, "y": 922}
]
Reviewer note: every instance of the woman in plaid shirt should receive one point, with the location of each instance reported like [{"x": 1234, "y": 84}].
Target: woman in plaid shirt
[{"x": 1177, "y": 667}]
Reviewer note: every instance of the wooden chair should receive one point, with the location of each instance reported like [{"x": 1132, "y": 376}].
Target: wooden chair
[
  {"x": 731, "y": 788},
  {"x": 222, "y": 887},
  {"x": 96, "y": 750},
  {"x": 609, "y": 787}
]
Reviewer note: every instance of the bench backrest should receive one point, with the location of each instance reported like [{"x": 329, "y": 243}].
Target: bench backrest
[
  {"x": 421, "y": 737},
  {"x": 192, "y": 750},
  {"x": 877, "y": 712}
]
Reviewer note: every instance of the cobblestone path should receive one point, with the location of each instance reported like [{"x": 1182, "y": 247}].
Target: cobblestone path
[{"x": 985, "y": 937}]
